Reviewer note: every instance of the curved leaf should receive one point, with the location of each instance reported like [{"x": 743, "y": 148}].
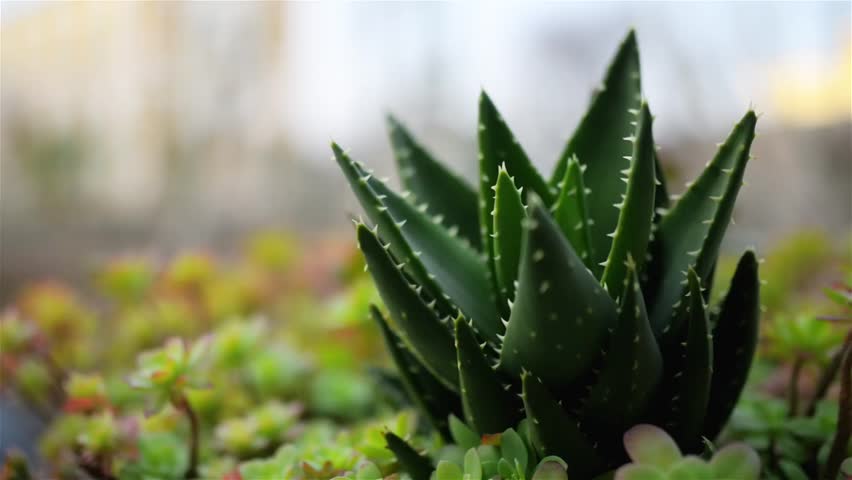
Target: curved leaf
[
  {"x": 599, "y": 141},
  {"x": 508, "y": 214},
  {"x": 432, "y": 183},
  {"x": 560, "y": 310},
  {"x": 631, "y": 369},
  {"x": 734, "y": 343},
  {"x": 411, "y": 462},
  {"x": 415, "y": 323},
  {"x": 441, "y": 263},
  {"x": 631, "y": 234},
  {"x": 691, "y": 232},
  {"x": 488, "y": 406},
  {"x": 433, "y": 398},
  {"x": 555, "y": 432},
  {"x": 571, "y": 213}
]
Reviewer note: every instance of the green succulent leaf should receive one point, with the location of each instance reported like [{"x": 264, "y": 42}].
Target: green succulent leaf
[
  {"x": 472, "y": 465},
  {"x": 600, "y": 141},
  {"x": 571, "y": 213},
  {"x": 631, "y": 234},
  {"x": 632, "y": 366},
  {"x": 691, "y": 232},
  {"x": 555, "y": 432},
  {"x": 438, "y": 261},
  {"x": 736, "y": 461},
  {"x": 514, "y": 450},
  {"x": 544, "y": 324},
  {"x": 432, "y": 183},
  {"x": 462, "y": 435},
  {"x": 693, "y": 468},
  {"x": 508, "y": 214},
  {"x": 498, "y": 147},
  {"x": 488, "y": 406},
  {"x": 415, "y": 323},
  {"x": 448, "y": 471},
  {"x": 431, "y": 395},
  {"x": 640, "y": 472},
  {"x": 689, "y": 367},
  {"x": 651, "y": 445},
  {"x": 410, "y": 461},
  {"x": 551, "y": 470},
  {"x": 734, "y": 343}
]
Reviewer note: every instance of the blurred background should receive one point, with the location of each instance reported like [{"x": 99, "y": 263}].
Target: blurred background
[{"x": 148, "y": 127}]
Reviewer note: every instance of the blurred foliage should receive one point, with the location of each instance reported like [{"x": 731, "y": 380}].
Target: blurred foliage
[{"x": 268, "y": 367}]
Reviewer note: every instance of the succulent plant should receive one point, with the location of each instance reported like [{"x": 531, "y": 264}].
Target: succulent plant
[
  {"x": 657, "y": 457},
  {"x": 577, "y": 302}
]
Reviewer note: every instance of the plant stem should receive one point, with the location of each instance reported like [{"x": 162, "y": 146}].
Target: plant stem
[
  {"x": 194, "y": 436},
  {"x": 844, "y": 416},
  {"x": 825, "y": 381},
  {"x": 793, "y": 388}
]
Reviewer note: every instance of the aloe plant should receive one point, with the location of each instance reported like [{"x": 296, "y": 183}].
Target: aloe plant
[{"x": 576, "y": 301}]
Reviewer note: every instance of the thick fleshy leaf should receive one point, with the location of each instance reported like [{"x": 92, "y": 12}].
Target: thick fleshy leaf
[
  {"x": 410, "y": 461},
  {"x": 439, "y": 262},
  {"x": 601, "y": 141},
  {"x": 560, "y": 310},
  {"x": 488, "y": 406},
  {"x": 550, "y": 470},
  {"x": 462, "y": 435},
  {"x": 631, "y": 234},
  {"x": 688, "y": 370},
  {"x": 651, "y": 445},
  {"x": 432, "y": 183},
  {"x": 572, "y": 215},
  {"x": 472, "y": 465},
  {"x": 640, "y": 472},
  {"x": 508, "y": 214},
  {"x": 433, "y": 398},
  {"x": 448, "y": 471},
  {"x": 415, "y": 323},
  {"x": 499, "y": 147},
  {"x": 736, "y": 461},
  {"x": 694, "y": 468},
  {"x": 555, "y": 432},
  {"x": 631, "y": 368},
  {"x": 691, "y": 232},
  {"x": 734, "y": 343}
]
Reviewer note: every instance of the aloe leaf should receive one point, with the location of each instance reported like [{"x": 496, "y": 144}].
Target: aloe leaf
[
  {"x": 499, "y": 147},
  {"x": 686, "y": 388},
  {"x": 599, "y": 141},
  {"x": 555, "y": 432},
  {"x": 571, "y": 213},
  {"x": 415, "y": 323},
  {"x": 488, "y": 406},
  {"x": 734, "y": 343},
  {"x": 560, "y": 310},
  {"x": 410, "y": 461},
  {"x": 661, "y": 193},
  {"x": 434, "y": 184},
  {"x": 631, "y": 234},
  {"x": 632, "y": 366},
  {"x": 433, "y": 398},
  {"x": 508, "y": 214},
  {"x": 441, "y": 263},
  {"x": 691, "y": 232}
]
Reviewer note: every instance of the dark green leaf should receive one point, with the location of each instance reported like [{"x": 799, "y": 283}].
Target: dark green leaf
[
  {"x": 691, "y": 232},
  {"x": 433, "y": 398},
  {"x": 488, "y": 406},
  {"x": 432, "y": 183},
  {"x": 572, "y": 215},
  {"x": 411, "y": 462},
  {"x": 438, "y": 261},
  {"x": 555, "y": 432},
  {"x": 599, "y": 142},
  {"x": 508, "y": 214},
  {"x": 560, "y": 310},
  {"x": 415, "y": 323},
  {"x": 631, "y": 234}
]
